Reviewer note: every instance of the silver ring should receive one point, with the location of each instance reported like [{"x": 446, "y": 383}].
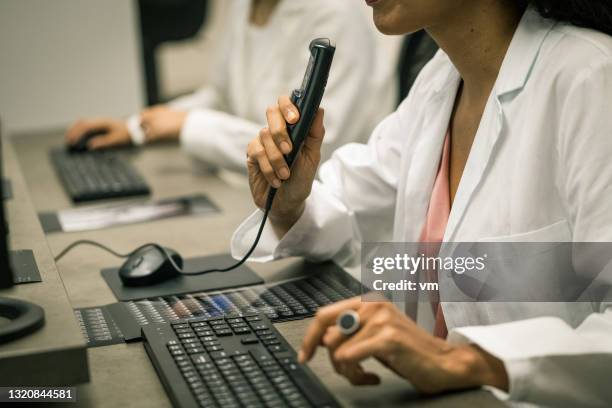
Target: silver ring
[{"x": 348, "y": 322}]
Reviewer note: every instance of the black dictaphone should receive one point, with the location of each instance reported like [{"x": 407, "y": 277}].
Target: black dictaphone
[{"x": 308, "y": 97}]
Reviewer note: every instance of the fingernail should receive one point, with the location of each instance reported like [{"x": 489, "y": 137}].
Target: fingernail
[
  {"x": 284, "y": 173},
  {"x": 291, "y": 115},
  {"x": 276, "y": 183},
  {"x": 285, "y": 147},
  {"x": 301, "y": 356}
]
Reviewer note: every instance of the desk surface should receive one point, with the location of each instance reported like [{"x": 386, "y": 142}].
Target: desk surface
[{"x": 121, "y": 375}]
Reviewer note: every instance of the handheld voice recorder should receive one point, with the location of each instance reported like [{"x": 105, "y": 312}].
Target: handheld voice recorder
[{"x": 308, "y": 97}]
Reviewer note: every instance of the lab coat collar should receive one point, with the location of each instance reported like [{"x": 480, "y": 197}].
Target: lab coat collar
[
  {"x": 522, "y": 52},
  {"x": 520, "y": 57},
  {"x": 514, "y": 74},
  {"x": 445, "y": 79}
]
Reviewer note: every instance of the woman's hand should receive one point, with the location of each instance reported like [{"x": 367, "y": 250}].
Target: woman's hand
[
  {"x": 115, "y": 133},
  {"x": 431, "y": 364},
  {"x": 267, "y": 166},
  {"x": 161, "y": 122}
]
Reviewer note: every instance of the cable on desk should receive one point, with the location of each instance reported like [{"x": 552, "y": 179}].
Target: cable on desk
[{"x": 269, "y": 202}]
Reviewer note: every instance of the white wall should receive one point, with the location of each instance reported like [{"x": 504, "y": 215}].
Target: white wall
[{"x": 65, "y": 59}]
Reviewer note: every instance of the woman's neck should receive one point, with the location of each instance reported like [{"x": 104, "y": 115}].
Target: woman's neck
[
  {"x": 476, "y": 38},
  {"x": 261, "y": 11}
]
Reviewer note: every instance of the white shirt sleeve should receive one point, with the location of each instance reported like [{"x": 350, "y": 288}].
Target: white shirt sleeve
[{"x": 548, "y": 361}]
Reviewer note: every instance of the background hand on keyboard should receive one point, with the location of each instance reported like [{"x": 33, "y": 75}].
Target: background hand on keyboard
[{"x": 113, "y": 133}]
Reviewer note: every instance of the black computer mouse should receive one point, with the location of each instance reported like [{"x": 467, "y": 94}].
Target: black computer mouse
[
  {"x": 80, "y": 146},
  {"x": 149, "y": 266}
]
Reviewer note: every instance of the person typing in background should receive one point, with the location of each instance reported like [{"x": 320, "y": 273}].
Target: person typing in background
[{"x": 264, "y": 54}]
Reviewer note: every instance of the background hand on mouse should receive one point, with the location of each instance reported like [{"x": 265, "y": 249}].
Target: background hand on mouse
[
  {"x": 267, "y": 167},
  {"x": 162, "y": 123},
  {"x": 115, "y": 133}
]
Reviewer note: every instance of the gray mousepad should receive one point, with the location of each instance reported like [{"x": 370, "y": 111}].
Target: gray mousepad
[{"x": 241, "y": 276}]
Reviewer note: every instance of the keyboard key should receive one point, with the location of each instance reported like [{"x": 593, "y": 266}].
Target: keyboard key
[
  {"x": 265, "y": 337},
  {"x": 200, "y": 358},
  {"x": 258, "y": 326},
  {"x": 242, "y": 330},
  {"x": 218, "y": 355},
  {"x": 275, "y": 349}
]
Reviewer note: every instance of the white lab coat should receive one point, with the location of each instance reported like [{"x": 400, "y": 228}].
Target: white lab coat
[
  {"x": 225, "y": 115},
  {"x": 539, "y": 170}
]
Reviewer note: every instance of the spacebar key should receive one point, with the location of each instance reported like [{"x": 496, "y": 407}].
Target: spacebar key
[{"x": 315, "y": 392}]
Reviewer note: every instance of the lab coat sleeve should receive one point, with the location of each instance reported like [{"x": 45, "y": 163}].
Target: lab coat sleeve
[
  {"x": 338, "y": 215},
  {"x": 218, "y": 138},
  {"x": 548, "y": 361}
]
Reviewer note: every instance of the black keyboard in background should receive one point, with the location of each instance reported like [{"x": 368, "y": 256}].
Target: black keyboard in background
[
  {"x": 97, "y": 175},
  {"x": 231, "y": 362},
  {"x": 290, "y": 300}
]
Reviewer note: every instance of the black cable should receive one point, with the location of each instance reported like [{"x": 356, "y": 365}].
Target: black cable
[
  {"x": 269, "y": 202},
  {"x": 268, "y": 206},
  {"x": 92, "y": 243}
]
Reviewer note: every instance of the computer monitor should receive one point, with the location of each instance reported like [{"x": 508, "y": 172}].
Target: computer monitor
[
  {"x": 6, "y": 273},
  {"x": 18, "y": 318}
]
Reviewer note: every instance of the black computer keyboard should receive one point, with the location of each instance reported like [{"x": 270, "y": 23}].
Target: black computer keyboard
[
  {"x": 97, "y": 175},
  {"x": 239, "y": 361}
]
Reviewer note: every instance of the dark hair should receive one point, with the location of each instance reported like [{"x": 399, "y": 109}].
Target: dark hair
[{"x": 595, "y": 14}]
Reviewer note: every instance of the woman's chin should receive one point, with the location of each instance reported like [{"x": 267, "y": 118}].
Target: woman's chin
[
  {"x": 390, "y": 26},
  {"x": 383, "y": 25}
]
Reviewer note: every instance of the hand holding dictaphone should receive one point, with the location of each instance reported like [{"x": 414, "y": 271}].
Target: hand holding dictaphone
[{"x": 287, "y": 152}]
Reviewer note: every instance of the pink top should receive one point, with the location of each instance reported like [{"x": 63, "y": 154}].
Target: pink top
[{"x": 437, "y": 219}]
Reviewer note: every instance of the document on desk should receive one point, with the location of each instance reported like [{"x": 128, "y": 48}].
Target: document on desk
[{"x": 98, "y": 217}]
